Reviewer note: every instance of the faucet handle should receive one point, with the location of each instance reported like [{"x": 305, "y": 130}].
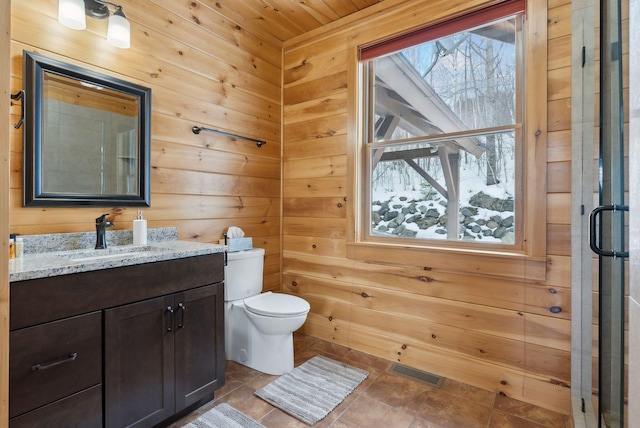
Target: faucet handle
[{"x": 102, "y": 218}]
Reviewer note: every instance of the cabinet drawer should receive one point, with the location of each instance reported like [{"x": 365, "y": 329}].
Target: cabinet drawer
[
  {"x": 83, "y": 409},
  {"x": 51, "y": 361}
]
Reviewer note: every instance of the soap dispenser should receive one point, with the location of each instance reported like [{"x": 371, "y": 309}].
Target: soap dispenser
[{"x": 139, "y": 230}]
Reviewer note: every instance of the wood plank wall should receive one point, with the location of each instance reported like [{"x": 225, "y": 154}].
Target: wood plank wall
[
  {"x": 5, "y": 26},
  {"x": 203, "y": 70},
  {"x": 497, "y": 334}
]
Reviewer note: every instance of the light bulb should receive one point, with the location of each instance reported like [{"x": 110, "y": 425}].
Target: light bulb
[
  {"x": 119, "y": 31},
  {"x": 71, "y": 14}
]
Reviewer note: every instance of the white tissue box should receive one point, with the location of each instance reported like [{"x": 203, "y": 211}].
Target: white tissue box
[{"x": 239, "y": 244}]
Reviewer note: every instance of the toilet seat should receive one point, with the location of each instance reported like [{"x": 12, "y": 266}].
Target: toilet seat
[{"x": 277, "y": 305}]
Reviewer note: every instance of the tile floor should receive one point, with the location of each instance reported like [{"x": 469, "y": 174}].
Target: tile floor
[{"x": 383, "y": 399}]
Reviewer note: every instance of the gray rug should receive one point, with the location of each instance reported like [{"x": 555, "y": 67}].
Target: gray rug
[
  {"x": 224, "y": 416},
  {"x": 313, "y": 389}
]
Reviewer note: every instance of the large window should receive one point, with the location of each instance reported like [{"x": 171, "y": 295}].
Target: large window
[{"x": 443, "y": 123}]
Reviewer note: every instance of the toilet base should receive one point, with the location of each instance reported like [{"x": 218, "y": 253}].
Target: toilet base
[
  {"x": 268, "y": 354},
  {"x": 244, "y": 344}
]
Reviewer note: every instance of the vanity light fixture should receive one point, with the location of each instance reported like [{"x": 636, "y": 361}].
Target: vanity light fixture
[{"x": 71, "y": 14}]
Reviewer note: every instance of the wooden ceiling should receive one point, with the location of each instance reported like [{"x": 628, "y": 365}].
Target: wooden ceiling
[{"x": 285, "y": 19}]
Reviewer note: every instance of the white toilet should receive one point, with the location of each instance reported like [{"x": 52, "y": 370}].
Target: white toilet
[{"x": 258, "y": 326}]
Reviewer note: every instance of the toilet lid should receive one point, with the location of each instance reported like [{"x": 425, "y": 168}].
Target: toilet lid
[{"x": 277, "y": 305}]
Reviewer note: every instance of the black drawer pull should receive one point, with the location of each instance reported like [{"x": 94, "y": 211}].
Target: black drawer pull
[{"x": 56, "y": 362}]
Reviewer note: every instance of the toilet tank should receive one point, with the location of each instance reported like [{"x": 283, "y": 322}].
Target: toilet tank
[{"x": 243, "y": 274}]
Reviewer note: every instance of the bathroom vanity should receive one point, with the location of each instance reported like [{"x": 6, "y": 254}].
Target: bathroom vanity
[{"x": 135, "y": 340}]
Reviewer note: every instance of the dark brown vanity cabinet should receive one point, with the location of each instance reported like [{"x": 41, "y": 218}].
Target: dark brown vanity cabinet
[
  {"x": 132, "y": 345},
  {"x": 160, "y": 356}
]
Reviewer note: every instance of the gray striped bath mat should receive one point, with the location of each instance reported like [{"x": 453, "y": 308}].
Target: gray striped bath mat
[
  {"x": 313, "y": 389},
  {"x": 224, "y": 416}
]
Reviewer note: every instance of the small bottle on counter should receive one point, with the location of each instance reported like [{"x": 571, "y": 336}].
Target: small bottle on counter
[
  {"x": 19, "y": 247},
  {"x": 12, "y": 246},
  {"x": 139, "y": 230}
]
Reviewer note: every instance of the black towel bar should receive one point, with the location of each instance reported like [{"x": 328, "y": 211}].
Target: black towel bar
[{"x": 197, "y": 129}]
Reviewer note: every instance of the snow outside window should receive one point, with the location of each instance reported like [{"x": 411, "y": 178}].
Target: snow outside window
[{"x": 443, "y": 129}]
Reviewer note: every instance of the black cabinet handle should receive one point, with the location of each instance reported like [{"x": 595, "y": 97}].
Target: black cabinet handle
[
  {"x": 170, "y": 314},
  {"x": 55, "y": 362},
  {"x": 182, "y": 309}
]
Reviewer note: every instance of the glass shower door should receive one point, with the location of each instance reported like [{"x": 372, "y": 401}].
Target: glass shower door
[{"x": 608, "y": 222}]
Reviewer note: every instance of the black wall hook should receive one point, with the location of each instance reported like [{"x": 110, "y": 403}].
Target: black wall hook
[{"x": 19, "y": 96}]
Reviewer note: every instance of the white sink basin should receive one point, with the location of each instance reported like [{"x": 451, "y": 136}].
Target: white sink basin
[{"x": 108, "y": 253}]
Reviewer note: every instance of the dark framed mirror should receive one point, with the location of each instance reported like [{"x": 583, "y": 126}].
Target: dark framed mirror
[{"x": 86, "y": 138}]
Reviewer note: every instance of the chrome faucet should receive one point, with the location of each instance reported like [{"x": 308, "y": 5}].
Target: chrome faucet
[{"x": 101, "y": 224}]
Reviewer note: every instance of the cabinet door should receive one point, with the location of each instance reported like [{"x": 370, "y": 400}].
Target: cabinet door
[
  {"x": 139, "y": 364},
  {"x": 199, "y": 342}
]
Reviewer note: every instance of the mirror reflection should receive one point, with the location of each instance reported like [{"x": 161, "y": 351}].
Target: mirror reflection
[
  {"x": 86, "y": 137},
  {"x": 75, "y": 113}
]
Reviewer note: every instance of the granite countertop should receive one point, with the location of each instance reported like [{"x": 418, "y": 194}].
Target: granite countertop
[{"x": 62, "y": 254}]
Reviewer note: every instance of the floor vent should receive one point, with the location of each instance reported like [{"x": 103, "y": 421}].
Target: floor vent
[{"x": 428, "y": 378}]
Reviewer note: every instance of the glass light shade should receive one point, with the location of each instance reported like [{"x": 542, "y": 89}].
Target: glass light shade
[
  {"x": 119, "y": 31},
  {"x": 71, "y": 14}
]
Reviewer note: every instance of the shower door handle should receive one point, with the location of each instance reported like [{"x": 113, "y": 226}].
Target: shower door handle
[{"x": 593, "y": 229}]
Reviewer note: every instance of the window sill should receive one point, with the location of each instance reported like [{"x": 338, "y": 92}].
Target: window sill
[{"x": 487, "y": 263}]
